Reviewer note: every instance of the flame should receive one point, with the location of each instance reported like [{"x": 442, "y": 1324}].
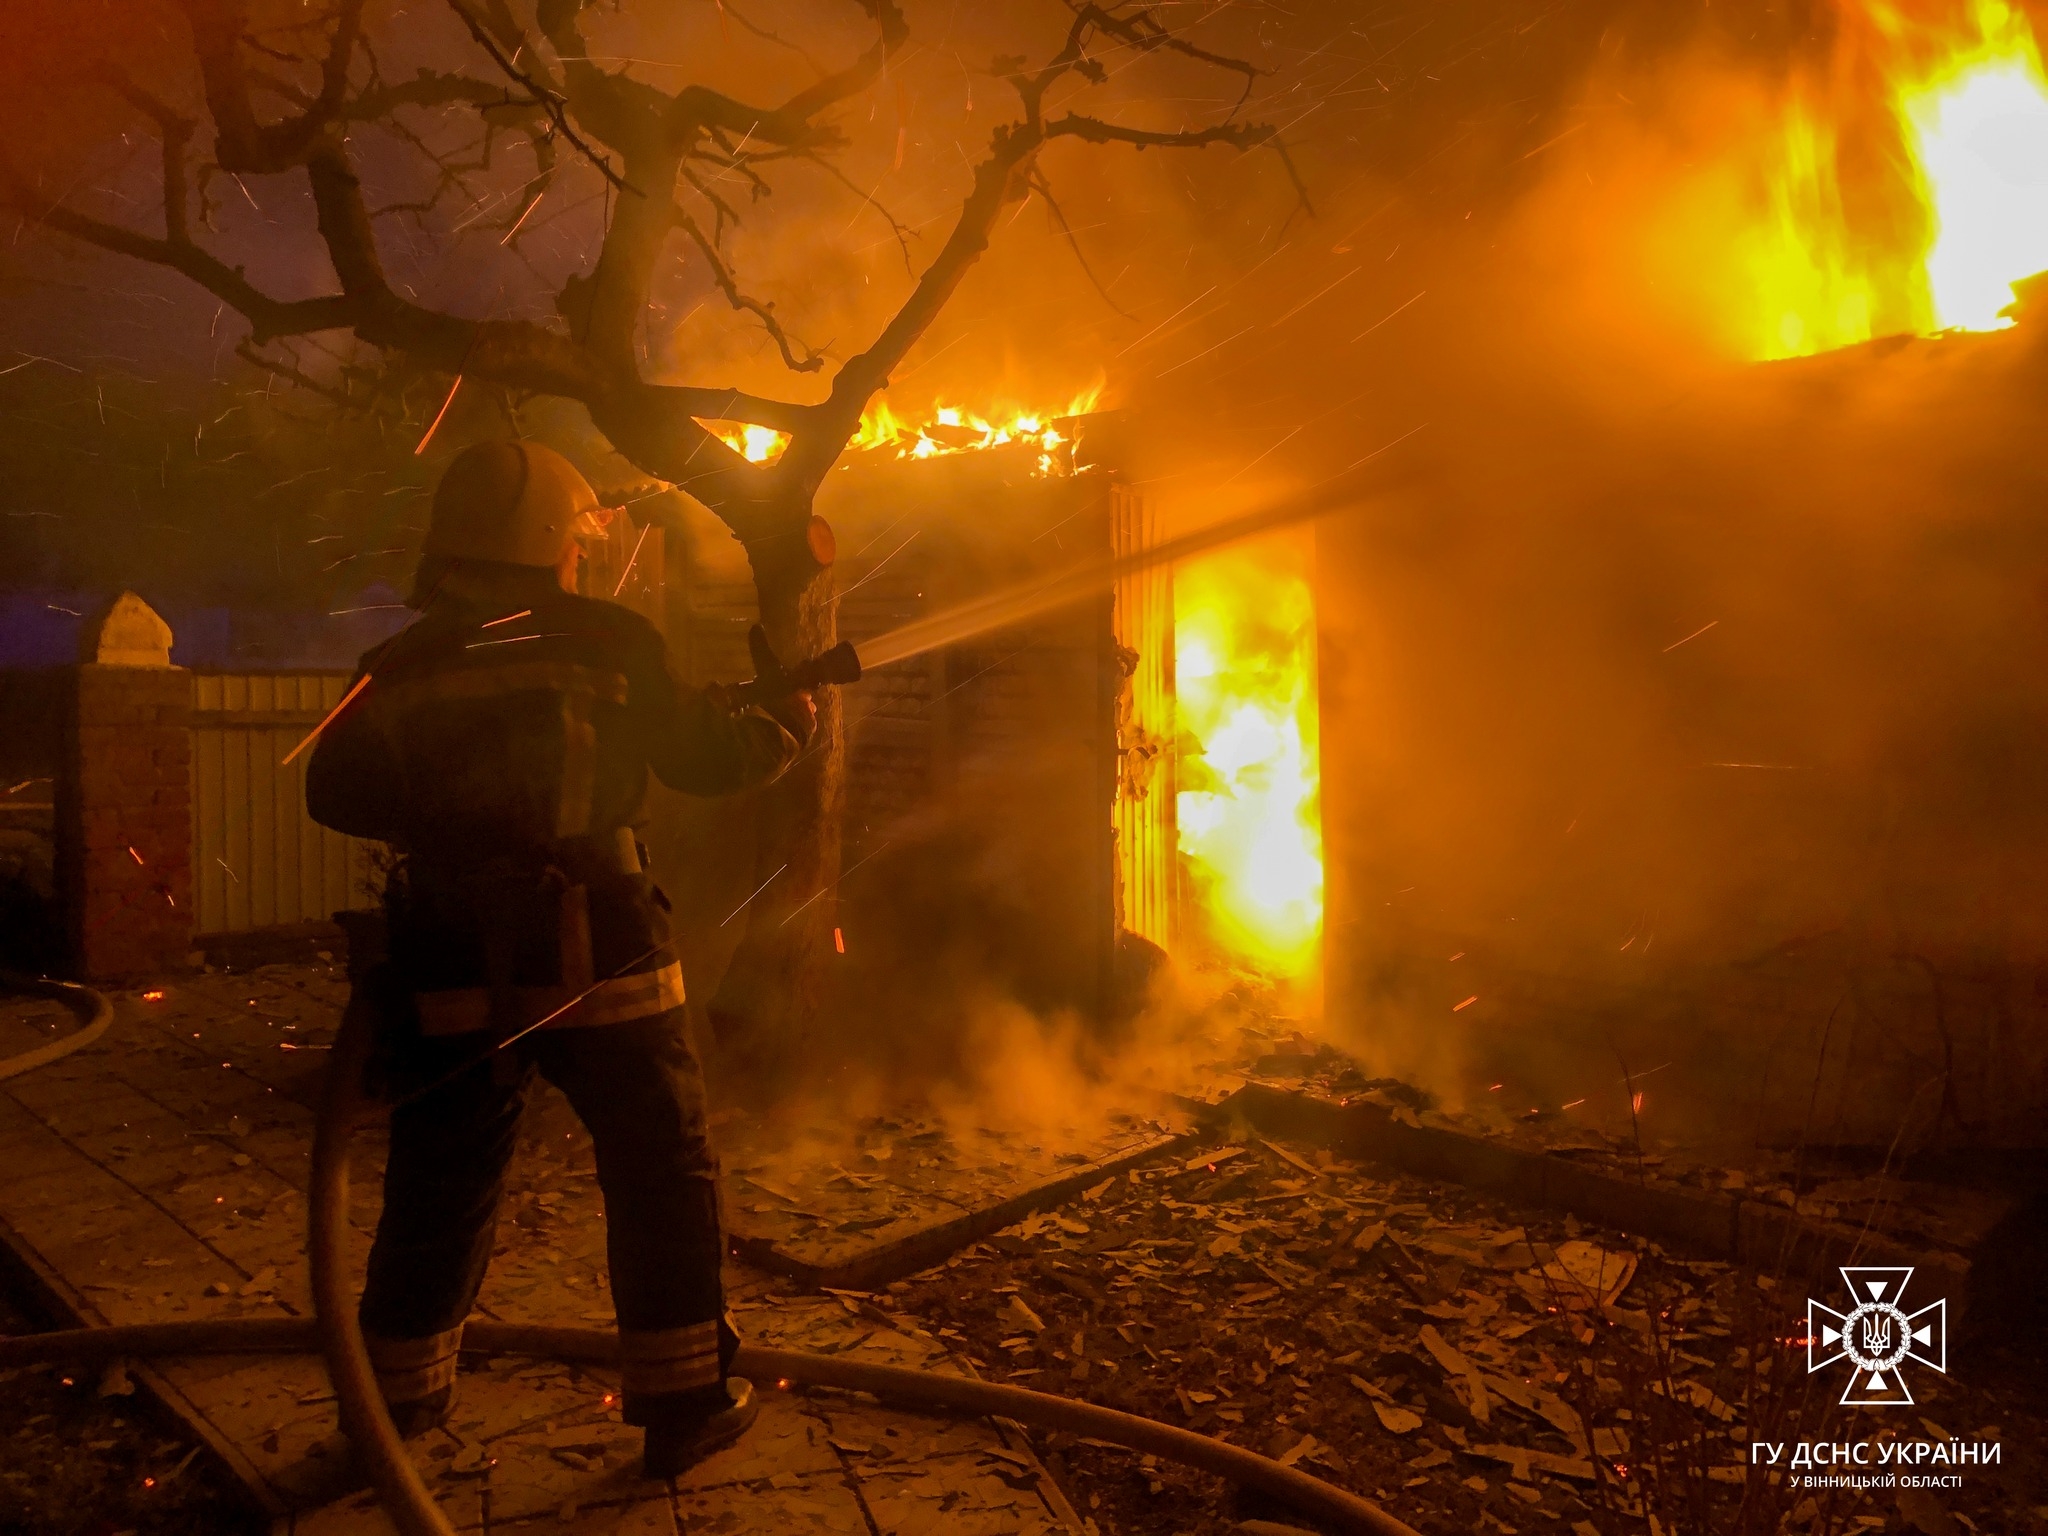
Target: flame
[
  {"x": 1248, "y": 806},
  {"x": 951, "y": 429},
  {"x": 1981, "y": 137},
  {"x": 1966, "y": 211},
  {"x": 956, "y": 429},
  {"x": 754, "y": 442},
  {"x": 1814, "y": 289}
]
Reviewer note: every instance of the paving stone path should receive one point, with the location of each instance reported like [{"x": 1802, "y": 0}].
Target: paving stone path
[{"x": 160, "y": 1174}]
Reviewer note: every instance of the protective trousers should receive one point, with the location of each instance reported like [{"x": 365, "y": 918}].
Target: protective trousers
[{"x": 639, "y": 1091}]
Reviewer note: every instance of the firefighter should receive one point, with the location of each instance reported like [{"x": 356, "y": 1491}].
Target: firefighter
[{"x": 501, "y": 748}]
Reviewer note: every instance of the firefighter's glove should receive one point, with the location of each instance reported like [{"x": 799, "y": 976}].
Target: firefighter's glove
[
  {"x": 788, "y": 706},
  {"x": 796, "y": 713}
]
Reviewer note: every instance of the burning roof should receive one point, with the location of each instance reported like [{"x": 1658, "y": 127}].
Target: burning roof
[{"x": 1904, "y": 190}]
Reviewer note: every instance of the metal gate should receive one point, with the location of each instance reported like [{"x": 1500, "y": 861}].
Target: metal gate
[
  {"x": 258, "y": 860},
  {"x": 1147, "y": 832}
]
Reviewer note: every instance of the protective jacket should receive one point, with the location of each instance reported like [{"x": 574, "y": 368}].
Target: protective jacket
[{"x": 501, "y": 747}]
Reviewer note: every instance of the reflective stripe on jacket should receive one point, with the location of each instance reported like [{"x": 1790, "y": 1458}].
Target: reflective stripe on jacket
[{"x": 502, "y": 749}]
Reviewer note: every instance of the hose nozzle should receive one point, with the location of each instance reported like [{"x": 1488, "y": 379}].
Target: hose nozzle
[{"x": 772, "y": 680}]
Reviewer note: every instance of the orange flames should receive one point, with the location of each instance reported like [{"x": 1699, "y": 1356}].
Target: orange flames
[
  {"x": 1982, "y": 139},
  {"x": 955, "y": 429},
  {"x": 1249, "y": 775},
  {"x": 756, "y": 443},
  {"x": 1958, "y": 211},
  {"x": 949, "y": 429},
  {"x": 1248, "y": 804}
]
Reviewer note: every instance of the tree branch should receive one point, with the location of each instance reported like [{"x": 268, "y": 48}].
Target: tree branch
[
  {"x": 661, "y": 429},
  {"x": 660, "y": 140},
  {"x": 551, "y": 101},
  {"x": 267, "y": 316},
  {"x": 615, "y": 108},
  {"x": 770, "y": 35},
  {"x": 728, "y": 156},
  {"x": 517, "y": 353},
  {"x": 1143, "y": 31},
  {"x": 1038, "y": 184},
  {"x": 995, "y": 186},
  {"x": 176, "y": 132},
  {"x": 495, "y": 104},
  {"x": 999, "y": 180},
  {"x": 893, "y": 31},
  {"x": 433, "y": 88},
  {"x": 243, "y": 145},
  {"x": 810, "y": 362},
  {"x": 897, "y": 227},
  {"x": 1239, "y": 136},
  {"x": 792, "y": 125},
  {"x": 714, "y": 404},
  {"x": 341, "y": 397},
  {"x": 723, "y": 213}
]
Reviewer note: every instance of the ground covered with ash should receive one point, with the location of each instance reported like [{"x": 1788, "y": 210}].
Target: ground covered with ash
[
  {"x": 1475, "y": 1367},
  {"x": 85, "y": 1454},
  {"x": 1472, "y": 1365}
]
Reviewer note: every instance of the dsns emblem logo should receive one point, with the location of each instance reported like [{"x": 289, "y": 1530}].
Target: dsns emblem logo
[{"x": 1877, "y": 1336}]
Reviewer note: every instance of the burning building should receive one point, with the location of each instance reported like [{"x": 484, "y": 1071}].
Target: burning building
[
  {"x": 1603, "y": 834},
  {"x": 1016, "y": 818},
  {"x": 1685, "y": 734}
]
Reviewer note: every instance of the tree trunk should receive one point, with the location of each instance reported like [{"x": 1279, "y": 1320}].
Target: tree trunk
[{"x": 769, "y": 1008}]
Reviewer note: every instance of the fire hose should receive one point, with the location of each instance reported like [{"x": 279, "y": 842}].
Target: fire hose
[
  {"x": 70, "y": 994},
  {"x": 334, "y": 1332}
]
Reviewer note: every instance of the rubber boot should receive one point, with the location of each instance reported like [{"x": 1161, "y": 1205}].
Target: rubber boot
[
  {"x": 415, "y": 1418},
  {"x": 675, "y": 1446}
]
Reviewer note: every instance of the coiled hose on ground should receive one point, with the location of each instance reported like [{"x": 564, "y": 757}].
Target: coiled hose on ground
[
  {"x": 94, "y": 1005},
  {"x": 334, "y": 1332}
]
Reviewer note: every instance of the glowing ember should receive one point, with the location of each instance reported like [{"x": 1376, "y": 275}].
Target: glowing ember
[
  {"x": 1250, "y": 822},
  {"x": 1969, "y": 103}
]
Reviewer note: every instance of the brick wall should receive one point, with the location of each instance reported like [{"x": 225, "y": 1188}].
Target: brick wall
[
  {"x": 980, "y": 780},
  {"x": 124, "y": 821}
]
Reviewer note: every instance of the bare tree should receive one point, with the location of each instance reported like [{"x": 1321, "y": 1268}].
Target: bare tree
[{"x": 287, "y": 110}]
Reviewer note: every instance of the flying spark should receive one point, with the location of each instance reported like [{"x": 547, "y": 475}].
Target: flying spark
[
  {"x": 736, "y": 911},
  {"x": 1674, "y": 645},
  {"x": 435, "y": 425}
]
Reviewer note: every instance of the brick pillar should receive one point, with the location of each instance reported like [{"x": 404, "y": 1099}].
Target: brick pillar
[{"x": 124, "y": 800}]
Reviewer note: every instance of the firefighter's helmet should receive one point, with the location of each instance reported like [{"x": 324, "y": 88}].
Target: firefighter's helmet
[{"x": 520, "y": 503}]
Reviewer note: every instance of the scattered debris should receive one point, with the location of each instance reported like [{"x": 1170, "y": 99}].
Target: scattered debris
[{"x": 1467, "y": 1363}]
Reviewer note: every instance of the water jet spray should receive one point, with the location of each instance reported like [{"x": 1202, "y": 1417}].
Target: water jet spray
[{"x": 1029, "y": 599}]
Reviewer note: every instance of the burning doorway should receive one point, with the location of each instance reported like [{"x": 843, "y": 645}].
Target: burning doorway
[
  {"x": 989, "y": 787},
  {"x": 1040, "y": 812},
  {"x": 1249, "y": 759}
]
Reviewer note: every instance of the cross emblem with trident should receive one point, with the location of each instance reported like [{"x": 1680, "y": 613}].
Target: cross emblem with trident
[{"x": 1877, "y": 1337}]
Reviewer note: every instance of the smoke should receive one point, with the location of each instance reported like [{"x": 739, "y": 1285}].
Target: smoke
[
  {"x": 1680, "y": 704},
  {"x": 1672, "y": 705},
  {"x": 1679, "y": 699}
]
